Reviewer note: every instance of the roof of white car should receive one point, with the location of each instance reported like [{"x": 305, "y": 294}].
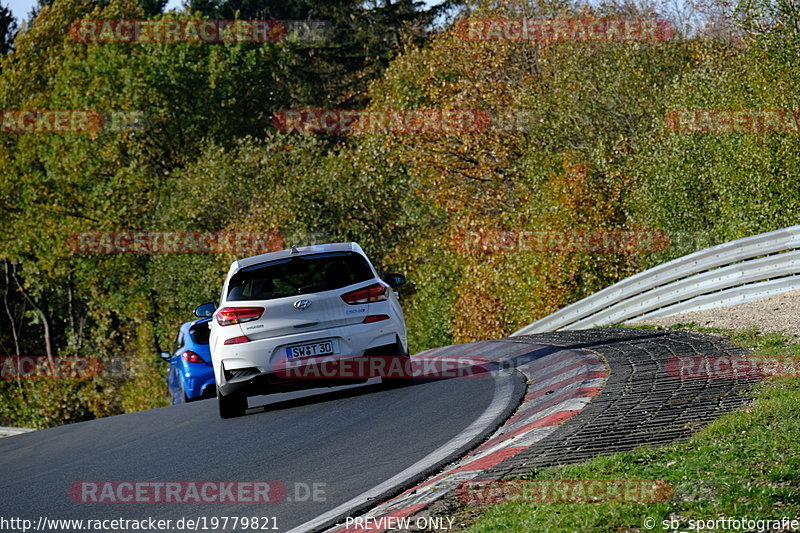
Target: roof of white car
[{"x": 300, "y": 250}]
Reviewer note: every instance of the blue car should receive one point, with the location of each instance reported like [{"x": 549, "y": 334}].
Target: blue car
[{"x": 191, "y": 375}]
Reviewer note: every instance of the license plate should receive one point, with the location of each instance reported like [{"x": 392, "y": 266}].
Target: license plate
[{"x": 312, "y": 350}]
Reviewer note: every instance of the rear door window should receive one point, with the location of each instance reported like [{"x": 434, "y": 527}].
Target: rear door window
[
  {"x": 200, "y": 333},
  {"x": 178, "y": 341},
  {"x": 298, "y": 275}
]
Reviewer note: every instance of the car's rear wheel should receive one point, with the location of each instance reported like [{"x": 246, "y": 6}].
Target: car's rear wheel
[
  {"x": 405, "y": 358},
  {"x": 231, "y": 405},
  {"x": 184, "y": 397}
]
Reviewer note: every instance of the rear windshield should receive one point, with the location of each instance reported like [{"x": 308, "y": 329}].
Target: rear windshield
[
  {"x": 298, "y": 275},
  {"x": 200, "y": 333}
]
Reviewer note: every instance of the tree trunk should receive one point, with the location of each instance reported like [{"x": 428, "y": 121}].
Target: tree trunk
[
  {"x": 14, "y": 331},
  {"x": 48, "y": 345}
]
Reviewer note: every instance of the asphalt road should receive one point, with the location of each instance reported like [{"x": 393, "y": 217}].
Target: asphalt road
[{"x": 354, "y": 446}]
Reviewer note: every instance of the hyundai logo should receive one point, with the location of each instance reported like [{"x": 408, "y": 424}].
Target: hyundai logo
[{"x": 302, "y": 304}]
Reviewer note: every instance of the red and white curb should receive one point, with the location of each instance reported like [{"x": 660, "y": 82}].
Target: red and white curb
[{"x": 561, "y": 383}]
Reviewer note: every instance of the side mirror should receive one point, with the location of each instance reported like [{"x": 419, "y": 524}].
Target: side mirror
[
  {"x": 166, "y": 356},
  {"x": 394, "y": 280},
  {"x": 205, "y": 309}
]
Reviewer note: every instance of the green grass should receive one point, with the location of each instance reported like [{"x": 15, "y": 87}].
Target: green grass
[{"x": 744, "y": 465}]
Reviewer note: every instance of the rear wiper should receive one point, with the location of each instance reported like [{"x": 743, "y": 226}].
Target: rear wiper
[{"x": 314, "y": 288}]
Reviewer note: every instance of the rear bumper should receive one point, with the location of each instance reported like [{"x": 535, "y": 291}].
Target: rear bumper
[
  {"x": 199, "y": 382},
  {"x": 268, "y": 383},
  {"x": 263, "y": 357},
  {"x": 252, "y": 382}
]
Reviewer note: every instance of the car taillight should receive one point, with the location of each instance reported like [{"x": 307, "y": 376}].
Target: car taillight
[
  {"x": 374, "y": 293},
  {"x": 228, "y": 316},
  {"x": 375, "y": 318},
  {"x": 237, "y": 340},
  {"x": 191, "y": 357}
]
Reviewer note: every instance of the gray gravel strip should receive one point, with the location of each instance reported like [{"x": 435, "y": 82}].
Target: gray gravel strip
[{"x": 783, "y": 311}]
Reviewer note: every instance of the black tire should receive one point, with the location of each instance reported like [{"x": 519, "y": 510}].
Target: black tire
[
  {"x": 394, "y": 383},
  {"x": 231, "y": 405},
  {"x": 185, "y": 398}
]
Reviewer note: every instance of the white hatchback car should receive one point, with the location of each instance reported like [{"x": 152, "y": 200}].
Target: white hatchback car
[{"x": 299, "y": 304}]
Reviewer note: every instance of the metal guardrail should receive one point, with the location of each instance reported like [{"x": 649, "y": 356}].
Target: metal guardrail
[{"x": 734, "y": 272}]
